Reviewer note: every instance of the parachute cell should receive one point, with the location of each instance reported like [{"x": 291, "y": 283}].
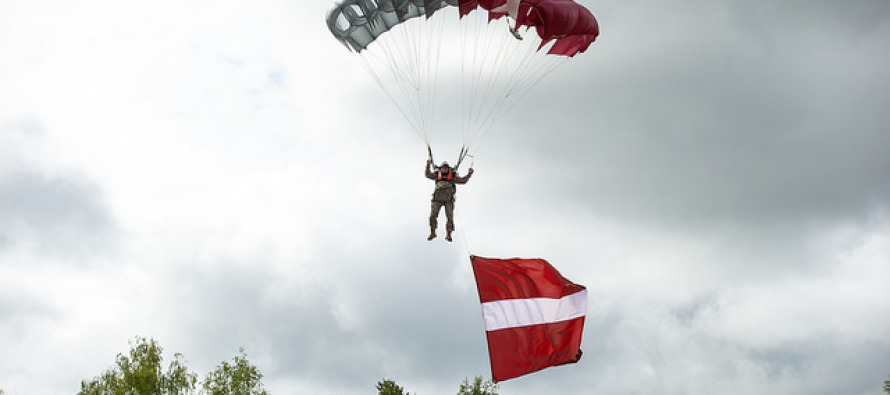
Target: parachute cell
[
  {"x": 357, "y": 23},
  {"x": 571, "y": 26}
]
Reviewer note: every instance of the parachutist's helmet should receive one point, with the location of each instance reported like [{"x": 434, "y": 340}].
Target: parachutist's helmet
[{"x": 445, "y": 165}]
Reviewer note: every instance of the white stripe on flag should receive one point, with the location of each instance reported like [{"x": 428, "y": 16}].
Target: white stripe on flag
[{"x": 512, "y": 313}]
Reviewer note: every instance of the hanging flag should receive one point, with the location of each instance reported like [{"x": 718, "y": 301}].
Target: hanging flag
[{"x": 533, "y": 315}]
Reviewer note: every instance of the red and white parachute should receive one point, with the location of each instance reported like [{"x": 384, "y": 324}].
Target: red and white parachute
[{"x": 480, "y": 52}]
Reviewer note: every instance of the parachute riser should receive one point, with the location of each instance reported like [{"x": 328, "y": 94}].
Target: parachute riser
[{"x": 464, "y": 152}]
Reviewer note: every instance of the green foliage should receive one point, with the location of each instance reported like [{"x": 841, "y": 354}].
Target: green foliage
[
  {"x": 478, "y": 387},
  {"x": 886, "y": 386},
  {"x": 236, "y": 378},
  {"x": 141, "y": 373},
  {"x": 389, "y": 387}
]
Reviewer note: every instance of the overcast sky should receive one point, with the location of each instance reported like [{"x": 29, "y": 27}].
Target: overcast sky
[{"x": 223, "y": 174}]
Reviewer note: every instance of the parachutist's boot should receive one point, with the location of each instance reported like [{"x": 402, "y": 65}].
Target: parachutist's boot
[
  {"x": 448, "y": 236},
  {"x": 432, "y": 234}
]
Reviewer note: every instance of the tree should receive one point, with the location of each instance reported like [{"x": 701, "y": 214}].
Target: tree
[
  {"x": 478, "y": 387},
  {"x": 237, "y": 378},
  {"x": 141, "y": 373},
  {"x": 886, "y": 387},
  {"x": 389, "y": 387}
]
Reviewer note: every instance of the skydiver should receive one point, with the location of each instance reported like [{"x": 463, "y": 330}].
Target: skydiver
[{"x": 446, "y": 180}]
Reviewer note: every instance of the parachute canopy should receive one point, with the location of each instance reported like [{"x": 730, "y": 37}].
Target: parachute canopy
[
  {"x": 448, "y": 68},
  {"x": 357, "y": 23}
]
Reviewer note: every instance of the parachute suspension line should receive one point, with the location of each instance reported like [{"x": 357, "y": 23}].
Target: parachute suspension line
[
  {"x": 525, "y": 61},
  {"x": 488, "y": 71},
  {"x": 412, "y": 87},
  {"x": 396, "y": 84},
  {"x": 480, "y": 72},
  {"x": 467, "y": 92},
  {"x": 434, "y": 45},
  {"x": 419, "y": 57},
  {"x": 497, "y": 70},
  {"x": 411, "y": 59},
  {"x": 535, "y": 68},
  {"x": 463, "y": 82},
  {"x": 389, "y": 93},
  {"x": 422, "y": 54},
  {"x": 409, "y": 56}
]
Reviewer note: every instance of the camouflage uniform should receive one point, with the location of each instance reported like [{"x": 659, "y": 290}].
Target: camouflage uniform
[{"x": 443, "y": 195}]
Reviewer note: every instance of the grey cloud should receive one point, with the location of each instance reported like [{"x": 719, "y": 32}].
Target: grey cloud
[
  {"x": 48, "y": 211},
  {"x": 720, "y": 127},
  {"x": 20, "y": 311},
  {"x": 54, "y": 216},
  {"x": 367, "y": 313}
]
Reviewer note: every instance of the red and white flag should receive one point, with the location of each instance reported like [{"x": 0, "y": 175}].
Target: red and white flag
[{"x": 533, "y": 315}]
